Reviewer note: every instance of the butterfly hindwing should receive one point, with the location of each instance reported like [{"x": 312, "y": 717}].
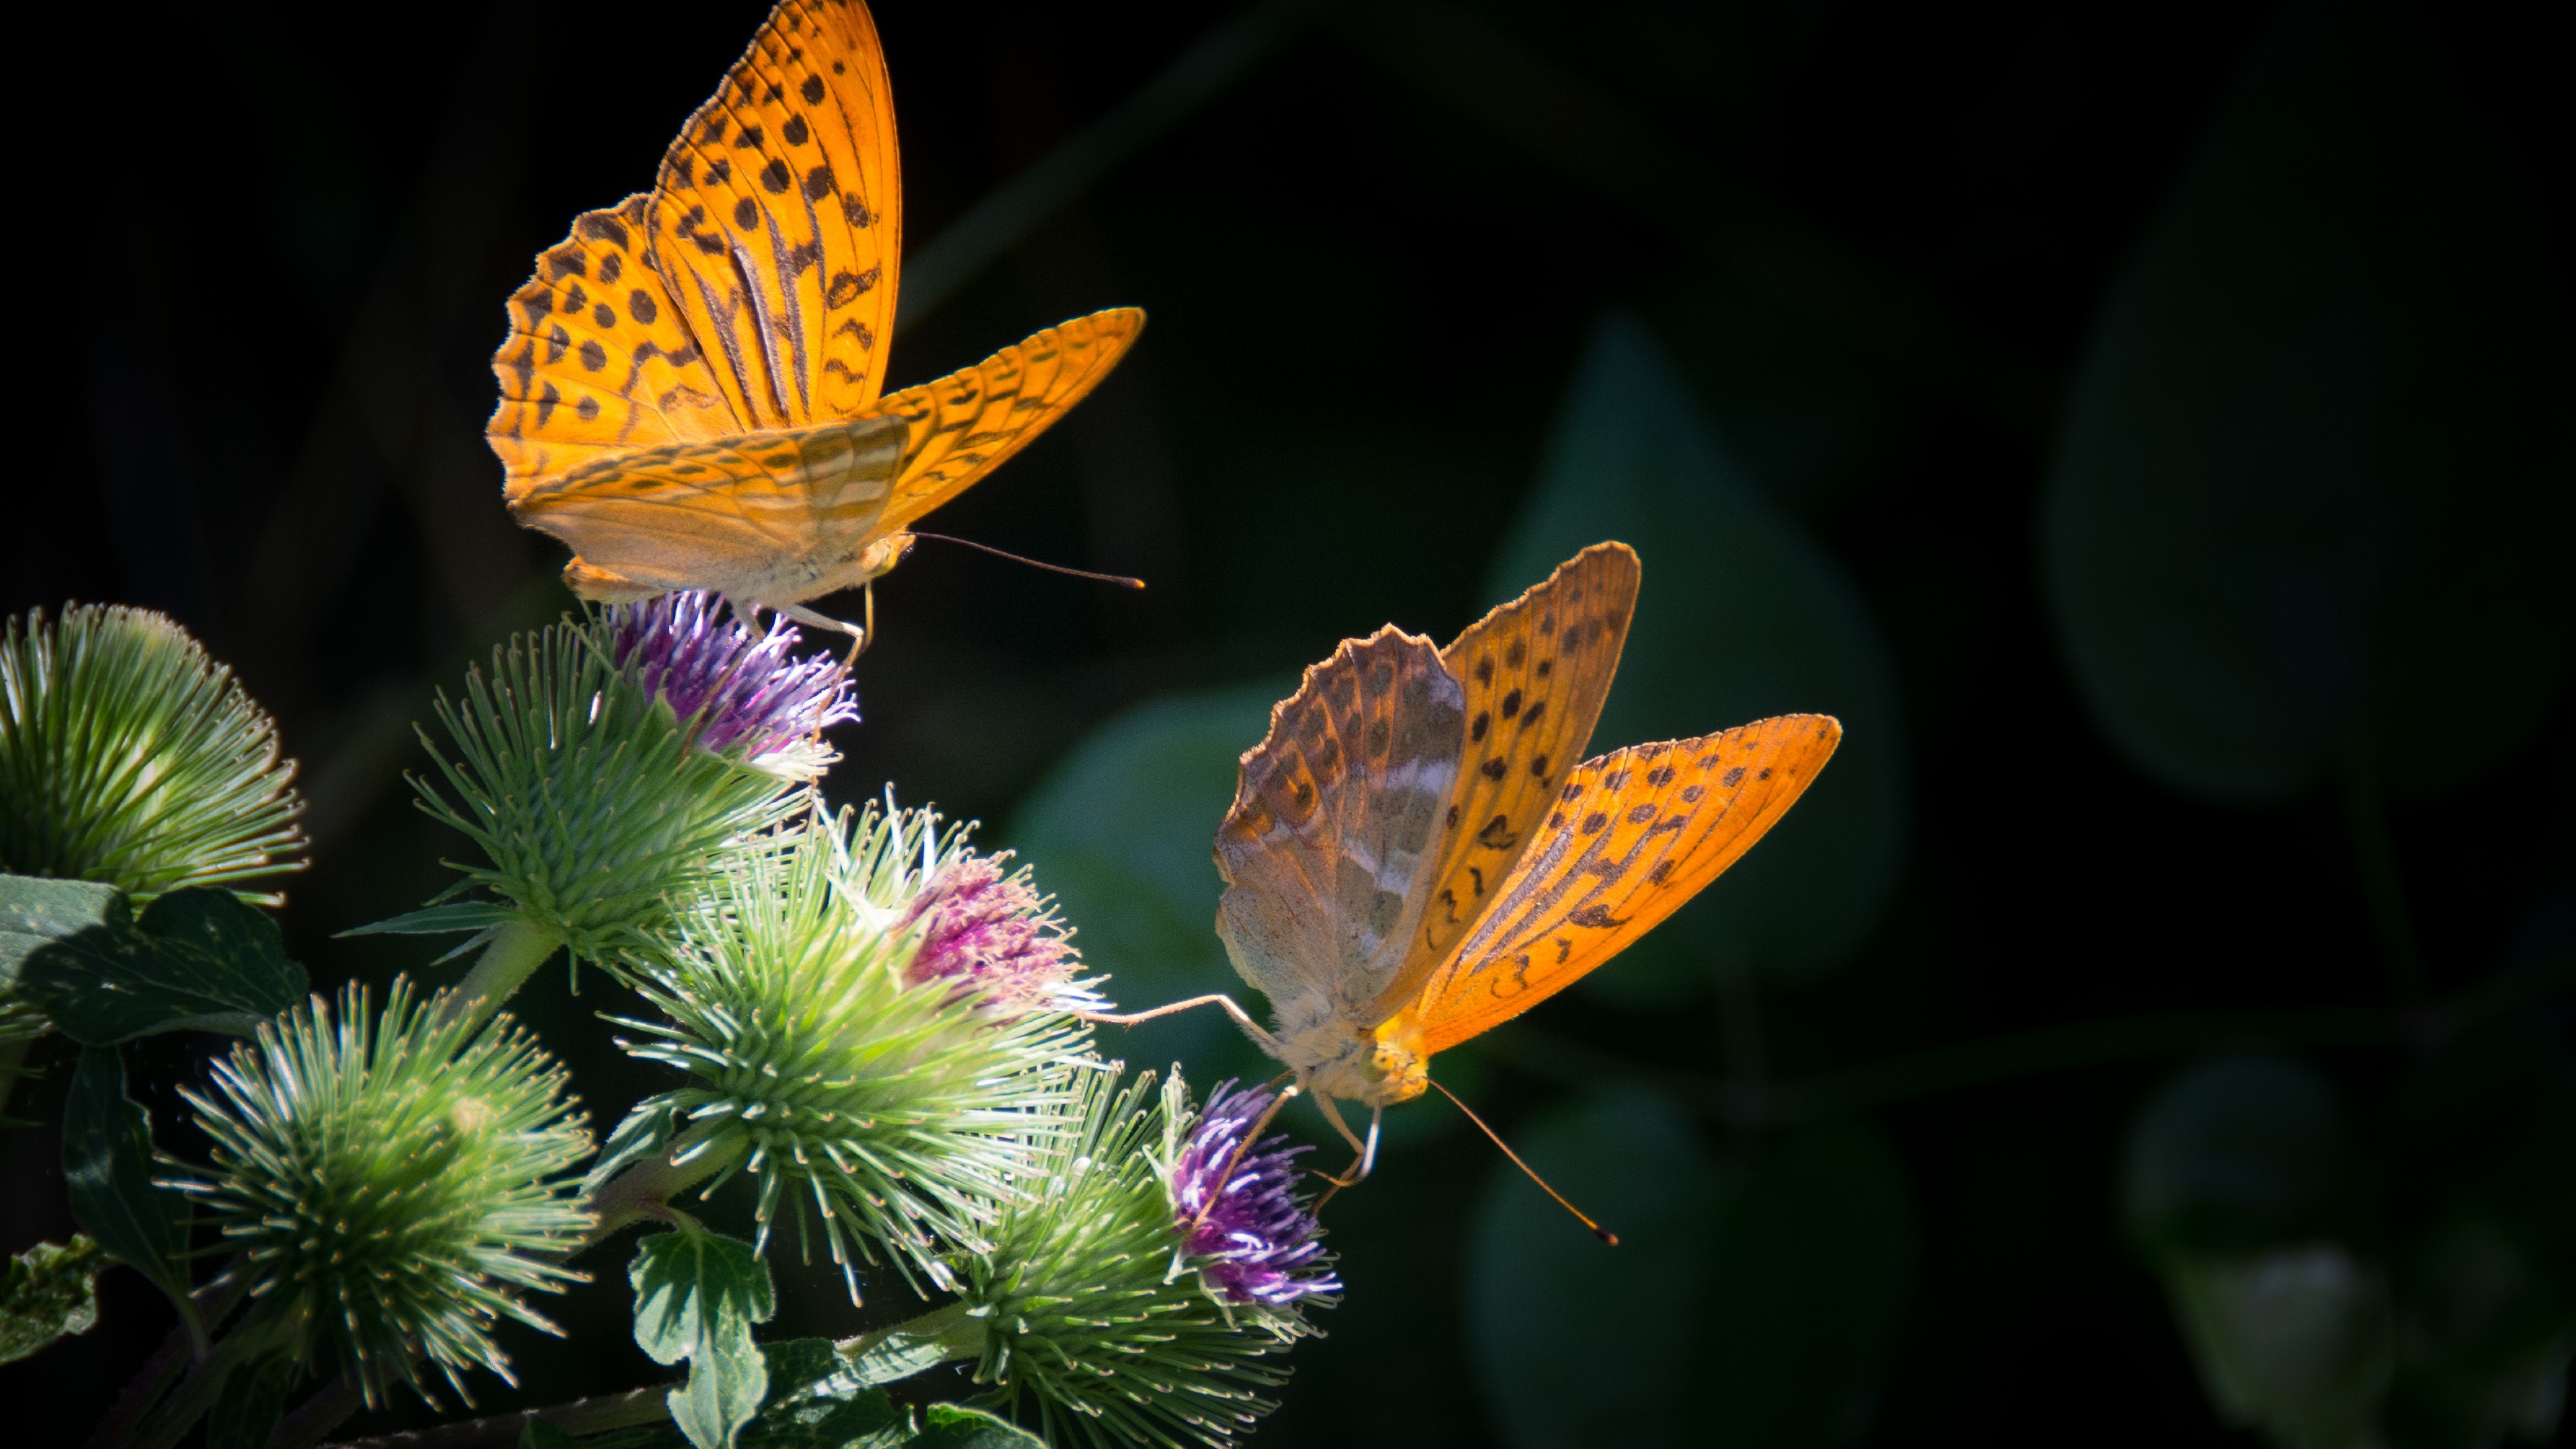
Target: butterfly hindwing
[
  {"x": 1633, "y": 836},
  {"x": 1534, "y": 673},
  {"x": 776, "y": 220},
  {"x": 1333, "y": 828},
  {"x": 765, "y": 516},
  {"x": 966, "y": 423}
]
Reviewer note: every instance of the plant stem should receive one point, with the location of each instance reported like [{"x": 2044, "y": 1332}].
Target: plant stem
[
  {"x": 196, "y": 1394},
  {"x": 916, "y": 1345},
  {"x": 511, "y": 957},
  {"x": 644, "y": 1188},
  {"x": 318, "y": 1416},
  {"x": 215, "y": 1302},
  {"x": 908, "y": 1348},
  {"x": 2374, "y": 855},
  {"x": 581, "y": 1416}
]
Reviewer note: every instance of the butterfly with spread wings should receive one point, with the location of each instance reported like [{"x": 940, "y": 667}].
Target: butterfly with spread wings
[
  {"x": 1411, "y": 859},
  {"x": 691, "y": 388}
]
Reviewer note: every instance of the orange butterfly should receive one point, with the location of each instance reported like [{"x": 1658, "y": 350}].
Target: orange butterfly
[
  {"x": 690, "y": 388},
  {"x": 1411, "y": 861}
]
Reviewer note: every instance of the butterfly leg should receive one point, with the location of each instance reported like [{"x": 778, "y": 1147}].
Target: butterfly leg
[
  {"x": 1251, "y": 1028},
  {"x": 1359, "y": 1170},
  {"x": 859, "y": 634},
  {"x": 1244, "y": 1147}
]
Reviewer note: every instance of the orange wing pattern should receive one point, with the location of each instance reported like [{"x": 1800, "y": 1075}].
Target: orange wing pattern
[
  {"x": 690, "y": 392},
  {"x": 777, "y": 220},
  {"x": 1333, "y": 827},
  {"x": 966, "y": 423},
  {"x": 598, "y": 362},
  {"x": 1535, "y": 673},
  {"x": 761, "y": 516},
  {"x": 653, "y": 325},
  {"x": 1635, "y": 834}
]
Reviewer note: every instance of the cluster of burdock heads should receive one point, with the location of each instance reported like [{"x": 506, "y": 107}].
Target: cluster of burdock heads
[{"x": 875, "y": 1025}]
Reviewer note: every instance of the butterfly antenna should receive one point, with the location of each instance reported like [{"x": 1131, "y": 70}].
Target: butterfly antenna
[
  {"x": 1121, "y": 580},
  {"x": 1598, "y": 1231}
]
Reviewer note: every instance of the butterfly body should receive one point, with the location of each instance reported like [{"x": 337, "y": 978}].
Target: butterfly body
[
  {"x": 692, "y": 393},
  {"x": 1411, "y": 858}
]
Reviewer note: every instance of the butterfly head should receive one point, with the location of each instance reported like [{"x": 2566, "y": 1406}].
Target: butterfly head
[{"x": 1373, "y": 1069}]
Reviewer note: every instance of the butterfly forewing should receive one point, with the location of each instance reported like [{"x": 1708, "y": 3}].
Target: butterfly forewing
[
  {"x": 691, "y": 387},
  {"x": 965, "y": 424},
  {"x": 1534, "y": 673},
  {"x": 1632, "y": 836},
  {"x": 1333, "y": 828},
  {"x": 598, "y": 362},
  {"x": 777, "y": 220}
]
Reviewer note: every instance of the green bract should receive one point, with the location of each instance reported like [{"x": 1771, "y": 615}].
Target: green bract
[
  {"x": 590, "y": 798},
  {"x": 394, "y": 1184},
  {"x": 1092, "y": 1304},
  {"x": 129, "y": 757},
  {"x": 900, "y": 1107}
]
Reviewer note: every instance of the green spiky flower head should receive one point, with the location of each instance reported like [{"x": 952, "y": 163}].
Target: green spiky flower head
[
  {"x": 1107, "y": 1295},
  {"x": 903, "y": 1106},
  {"x": 396, "y": 1184},
  {"x": 595, "y": 799},
  {"x": 129, "y": 757}
]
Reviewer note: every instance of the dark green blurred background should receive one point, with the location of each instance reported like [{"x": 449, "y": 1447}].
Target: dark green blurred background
[{"x": 2148, "y": 427}]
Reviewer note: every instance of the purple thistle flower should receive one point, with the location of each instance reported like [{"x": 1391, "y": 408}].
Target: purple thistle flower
[
  {"x": 994, "y": 936},
  {"x": 756, "y": 693},
  {"x": 1252, "y": 1244}
]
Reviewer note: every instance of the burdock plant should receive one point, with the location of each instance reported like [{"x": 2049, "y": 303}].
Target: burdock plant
[
  {"x": 395, "y": 1185},
  {"x": 873, "y": 1022},
  {"x": 877, "y": 1025},
  {"x": 129, "y": 757},
  {"x": 609, "y": 767},
  {"x": 1140, "y": 1291}
]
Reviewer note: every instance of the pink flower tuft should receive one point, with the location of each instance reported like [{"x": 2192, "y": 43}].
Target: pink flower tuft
[{"x": 994, "y": 937}]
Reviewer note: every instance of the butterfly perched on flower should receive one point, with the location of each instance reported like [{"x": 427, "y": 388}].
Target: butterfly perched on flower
[
  {"x": 692, "y": 392},
  {"x": 1412, "y": 858}
]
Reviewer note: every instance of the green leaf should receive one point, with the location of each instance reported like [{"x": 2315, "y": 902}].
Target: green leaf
[
  {"x": 697, "y": 1296},
  {"x": 2485, "y": 1272},
  {"x": 253, "y": 1400},
  {"x": 1122, "y": 832},
  {"x": 2235, "y": 1155},
  {"x": 35, "y": 910},
  {"x": 957, "y": 1426},
  {"x": 2315, "y": 478},
  {"x": 198, "y": 960},
  {"x": 1740, "y": 616},
  {"x": 107, "y": 1171},
  {"x": 815, "y": 1402},
  {"x": 1809, "y": 1270},
  {"x": 440, "y": 920},
  {"x": 1751, "y": 1298},
  {"x": 51, "y": 1292},
  {"x": 2298, "y": 1339}
]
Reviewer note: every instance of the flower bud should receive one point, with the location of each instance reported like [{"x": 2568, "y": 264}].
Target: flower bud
[
  {"x": 1108, "y": 1299},
  {"x": 903, "y": 1110},
  {"x": 129, "y": 757},
  {"x": 595, "y": 802},
  {"x": 394, "y": 1184}
]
